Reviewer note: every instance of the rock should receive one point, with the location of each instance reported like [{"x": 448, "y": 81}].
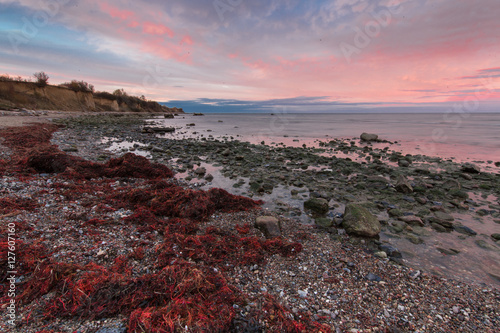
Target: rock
[
  {"x": 158, "y": 129},
  {"x": 412, "y": 220},
  {"x": 395, "y": 212},
  {"x": 369, "y": 137},
  {"x": 373, "y": 277},
  {"x": 421, "y": 200},
  {"x": 403, "y": 163},
  {"x": 442, "y": 218},
  {"x": 360, "y": 222},
  {"x": 209, "y": 177},
  {"x": 450, "y": 252},
  {"x": 200, "y": 171},
  {"x": 414, "y": 239},
  {"x": 269, "y": 225},
  {"x": 464, "y": 230},
  {"x": 470, "y": 168},
  {"x": 495, "y": 236},
  {"x": 439, "y": 227},
  {"x": 318, "y": 206},
  {"x": 483, "y": 244},
  {"x": 324, "y": 222},
  {"x": 390, "y": 250},
  {"x": 380, "y": 254},
  {"x": 403, "y": 186},
  {"x": 451, "y": 184}
]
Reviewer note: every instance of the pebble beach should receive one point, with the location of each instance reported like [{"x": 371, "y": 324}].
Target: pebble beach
[{"x": 318, "y": 277}]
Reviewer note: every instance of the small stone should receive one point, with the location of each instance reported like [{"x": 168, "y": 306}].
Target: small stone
[
  {"x": 269, "y": 225},
  {"x": 495, "y": 236},
  {"x": 412, "y": 220},
  {"x": 373, "y": 277},
  {"x": 380, "y": 254},
  {"x": 456, "y": 309}
]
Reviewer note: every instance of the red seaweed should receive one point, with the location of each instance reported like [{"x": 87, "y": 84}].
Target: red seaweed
[{"x": 188, "y": 287}]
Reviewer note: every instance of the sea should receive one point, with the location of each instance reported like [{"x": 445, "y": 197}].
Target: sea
[
  {"x": 464, "y": 137},
  {"x": 460, "y": 137}
]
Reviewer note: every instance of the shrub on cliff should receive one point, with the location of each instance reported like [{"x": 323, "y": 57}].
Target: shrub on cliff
[
  {"x": 42, "y": 79},
  {"x": 77, "y": 86}
]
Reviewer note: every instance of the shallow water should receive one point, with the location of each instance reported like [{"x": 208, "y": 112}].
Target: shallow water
[{"x": 476, "y": 138}]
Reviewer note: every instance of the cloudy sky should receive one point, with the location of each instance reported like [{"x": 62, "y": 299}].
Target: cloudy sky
[{"x": 255, "y": 54}]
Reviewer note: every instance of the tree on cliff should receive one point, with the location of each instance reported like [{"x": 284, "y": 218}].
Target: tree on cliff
[{"x": 42, "y": 79}]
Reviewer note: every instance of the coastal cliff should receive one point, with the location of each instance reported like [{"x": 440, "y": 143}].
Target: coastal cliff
[{"x": 28, "y": 95}]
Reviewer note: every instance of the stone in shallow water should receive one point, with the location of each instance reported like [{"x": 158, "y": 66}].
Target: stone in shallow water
[
  {"x": 360, "y": 222},
  {"x": 464, "y": 230},
  {"x": 450, "y": 252}
]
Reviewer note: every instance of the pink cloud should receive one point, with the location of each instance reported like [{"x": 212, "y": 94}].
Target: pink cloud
[
  {"x": 115, "y": 12},
  {"x": 156, "y": 29}
]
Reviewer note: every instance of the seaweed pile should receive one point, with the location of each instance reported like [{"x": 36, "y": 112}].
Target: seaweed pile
[{"x": 184, "y": 287}]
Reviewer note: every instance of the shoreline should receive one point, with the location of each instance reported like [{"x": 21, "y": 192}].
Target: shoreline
[{"x": 334, "y": 280}]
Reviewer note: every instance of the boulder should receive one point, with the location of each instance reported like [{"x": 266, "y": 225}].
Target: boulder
[
  {"x": 269, "y": 225},
  {"x": 470, "y": 168},
  {"x": 317, "y": 205},
  {"x": 369, "y": 137},
  {"x": 360, "y": 222}
]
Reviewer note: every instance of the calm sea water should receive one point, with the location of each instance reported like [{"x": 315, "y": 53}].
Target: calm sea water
[{"x": 466, "y": 137}]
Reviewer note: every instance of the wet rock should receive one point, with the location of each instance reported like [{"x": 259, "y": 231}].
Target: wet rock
[
  {"x": 451, "y": 184},
  {"x": 470, "y": 168},
  {"x": 403, "y": 186},
  {"x": 495, "y": 236},
  {"x": 318, "y": 206},
  {"x": 369, "y": 137},
  {"x": 360, "y": 222},
  {"x": 209, "y": 177},
  {"x": 440, "y": 228},
  {"x": 403, "y": 163},
  {"x": 412, "y": 220},
  {"x": 442, "y": 218},
  {"x": 485, "y": 245},
  {"x": 158, "y": 129},
  {"x": 200, "y": 171},
  {"x": 269, "y": 225},
  {"x": 450, "y": 252},
  {"x": 390, "y": 250},
  {"x": 324, "y": 222},
  {"x": 414, "y": 239},
  {"x": 464, "y": 230}
]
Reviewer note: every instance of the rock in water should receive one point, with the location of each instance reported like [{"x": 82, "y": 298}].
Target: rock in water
[
  {"x": 360, "y": 222},
  {"x": 317, "y": 205},
  {"x": 369, "y": 137},
  {"x": 403, "y": 186},
  {"x": 269, "y": 225}
]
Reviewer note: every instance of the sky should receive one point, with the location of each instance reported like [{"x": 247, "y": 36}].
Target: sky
[{"x": 266, "y": 55}]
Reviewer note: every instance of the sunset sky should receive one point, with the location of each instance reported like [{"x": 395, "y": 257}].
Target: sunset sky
[{"x": 261, "y": 55}]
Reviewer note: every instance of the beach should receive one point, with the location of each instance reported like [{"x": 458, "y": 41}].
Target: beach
[{"x": 417, "y": 276}]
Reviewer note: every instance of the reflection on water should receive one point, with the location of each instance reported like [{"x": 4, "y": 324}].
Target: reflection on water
[{"x": 474, "y": 138}]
